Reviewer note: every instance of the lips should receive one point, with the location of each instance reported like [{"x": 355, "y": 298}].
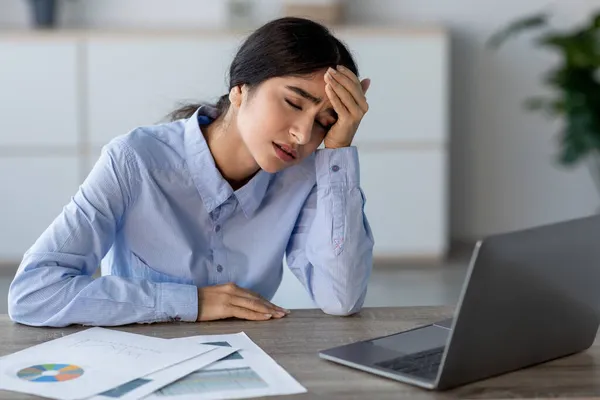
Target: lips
[
  {"x": 288, "y": 149},
  {"x": 284, "y": 153}
]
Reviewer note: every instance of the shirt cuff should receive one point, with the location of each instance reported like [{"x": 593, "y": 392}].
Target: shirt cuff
[
  {"x": 337, "y": 166},
  {"x": 178, "y": 302}
]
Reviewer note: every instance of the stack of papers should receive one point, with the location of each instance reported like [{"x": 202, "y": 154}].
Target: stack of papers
[{"x": 104, "y": 364}]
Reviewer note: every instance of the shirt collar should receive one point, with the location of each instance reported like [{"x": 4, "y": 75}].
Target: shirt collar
[{"x": 212, "y": 187}]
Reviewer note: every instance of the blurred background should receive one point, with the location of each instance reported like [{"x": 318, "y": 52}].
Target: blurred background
[{"x": 449, "y": 152}]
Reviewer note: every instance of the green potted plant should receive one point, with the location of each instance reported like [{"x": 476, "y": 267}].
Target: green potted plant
[{"x": 574, "y": 82}]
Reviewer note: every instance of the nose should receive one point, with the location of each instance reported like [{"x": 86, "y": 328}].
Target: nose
[{"x": 301, "y": 131}]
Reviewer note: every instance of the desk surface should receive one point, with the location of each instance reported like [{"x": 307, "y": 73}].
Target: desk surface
[{"x": 295, "y": 341}]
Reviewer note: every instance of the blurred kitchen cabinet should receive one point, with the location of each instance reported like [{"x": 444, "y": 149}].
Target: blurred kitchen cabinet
[
  {"x": 405, "y": 194},
  {"x": 40, "y": 121},
  {"x": 134, "y": 81},
  {"x": 408, "y": 95},
  {"x": 34, "y": 191},
  {"x": 39, "y": 92}
]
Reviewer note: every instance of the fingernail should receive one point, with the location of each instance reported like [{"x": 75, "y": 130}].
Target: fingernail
[
  {"x": 280, "y": 314},
  {"x": 341, "y": 67},
  {"x": 286, "y": 311},
  {"x": 268, "y": 315},
  {"x": 332, "y": 71}
]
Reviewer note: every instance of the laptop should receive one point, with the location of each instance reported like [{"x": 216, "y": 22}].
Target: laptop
[{"x": 530, "y": 296}]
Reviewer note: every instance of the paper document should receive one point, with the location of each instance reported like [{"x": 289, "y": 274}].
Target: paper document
[
  {"x": 249, "y": 372},
  {"x": 89, "y": 362},
  {"x": 144, "y": 386}
]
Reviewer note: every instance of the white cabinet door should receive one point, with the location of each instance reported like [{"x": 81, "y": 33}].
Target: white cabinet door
[
  {"x": 406, "y": 201},
  {"x": 38, "y": 92},
  {"x": 133, "y": 82},
  {"x": 34, "y": 191},
  {"x": 409, "y": 88}
]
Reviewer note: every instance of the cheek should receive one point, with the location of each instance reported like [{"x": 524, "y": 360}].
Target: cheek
[
  {"x": 262, "y": 119},
  {"x": 250, "y": 125}
]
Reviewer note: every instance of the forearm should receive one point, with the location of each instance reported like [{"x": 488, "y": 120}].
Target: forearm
[
  {"x": 46, "y": 294},
  {"x": 336, "y": 263}
]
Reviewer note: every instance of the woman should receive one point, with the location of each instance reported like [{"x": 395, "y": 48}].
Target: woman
[{"x": 192, "y": 219}]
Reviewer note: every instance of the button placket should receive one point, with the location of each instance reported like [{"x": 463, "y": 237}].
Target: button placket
[{"x": 215, "y": 244}]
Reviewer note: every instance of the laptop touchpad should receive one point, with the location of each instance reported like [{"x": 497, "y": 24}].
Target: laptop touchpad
[{"x": 420, "y": 339}]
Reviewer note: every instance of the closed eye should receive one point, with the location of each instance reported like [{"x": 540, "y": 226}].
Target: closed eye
[{"x": 297, "y": 107}]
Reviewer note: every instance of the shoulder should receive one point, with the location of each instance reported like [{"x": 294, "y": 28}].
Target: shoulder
[{"x": 157, "y": 146}]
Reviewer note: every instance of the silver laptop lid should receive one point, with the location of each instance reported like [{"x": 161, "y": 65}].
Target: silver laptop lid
[{"x": 530, "y": 296}]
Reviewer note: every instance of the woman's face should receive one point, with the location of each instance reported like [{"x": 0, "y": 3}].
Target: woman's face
[{"x": 284, "y": 119}]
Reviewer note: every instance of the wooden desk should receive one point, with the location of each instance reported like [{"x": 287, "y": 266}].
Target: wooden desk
[{"x": 294, "y": 342}]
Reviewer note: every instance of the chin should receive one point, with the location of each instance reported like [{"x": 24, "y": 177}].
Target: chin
[
  {"x": 269, "y": 162},
  {"x": 272, "y": 164},
  {"x": 272, "y": 167}
]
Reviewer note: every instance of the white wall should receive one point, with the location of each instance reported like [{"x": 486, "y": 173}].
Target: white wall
[
  {"x": 182, "y": 14},
  {"x": 503, "y": 174}
]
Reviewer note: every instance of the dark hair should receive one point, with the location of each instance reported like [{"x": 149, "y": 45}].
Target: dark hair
[{"x": 282, "y": 47}]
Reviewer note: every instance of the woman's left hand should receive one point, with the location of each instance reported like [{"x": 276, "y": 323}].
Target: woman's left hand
[{"x": 347, "y": 96}]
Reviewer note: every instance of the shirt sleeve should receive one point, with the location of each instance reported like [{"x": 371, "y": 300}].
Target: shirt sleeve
[
  {"x": 54, "y": 285},
  {"x": 331, "y": 247}
]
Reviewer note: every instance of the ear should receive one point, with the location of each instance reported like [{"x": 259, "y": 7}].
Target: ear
[{"x": 238, "y": 95}]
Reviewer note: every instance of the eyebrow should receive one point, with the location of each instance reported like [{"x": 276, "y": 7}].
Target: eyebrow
[
  {"x": 314, "y": 99},
  {"x": 305, "y": 94}
]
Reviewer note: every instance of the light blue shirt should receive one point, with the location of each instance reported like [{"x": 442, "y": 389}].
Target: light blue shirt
[{"x": 159, "y": 218}]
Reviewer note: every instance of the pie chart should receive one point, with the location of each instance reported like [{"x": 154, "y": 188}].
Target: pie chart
[{"x": 50, "y": 373}]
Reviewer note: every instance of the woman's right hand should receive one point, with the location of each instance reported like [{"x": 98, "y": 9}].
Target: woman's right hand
[{"x": 229, "y": 300}]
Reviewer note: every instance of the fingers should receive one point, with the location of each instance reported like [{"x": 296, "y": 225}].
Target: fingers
[
  {"x": 235, "y": 290},
  {"x": 343, "y": 95},
  {"x": 257, "y": 306},
  {"x": 348, "y": 88},
  {"x": 336, "y": 102},
  {"x": 245, "y": 313},
  {"x": 354, "y": 79},
  {"x": 254, "y": 296},
  {"x": 365, "y": 84}
]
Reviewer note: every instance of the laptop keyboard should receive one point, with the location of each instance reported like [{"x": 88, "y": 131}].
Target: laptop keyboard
[{"x": 424, "y": 364}]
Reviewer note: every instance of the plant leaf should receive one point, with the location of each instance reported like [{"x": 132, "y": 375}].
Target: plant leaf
[
  {"x": 580, "y": 49},
  {"x": 516, "y": 27},
  {"x": 552, "y": 107}
]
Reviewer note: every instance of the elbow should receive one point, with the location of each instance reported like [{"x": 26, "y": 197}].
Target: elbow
[
  {"x": 19, "y": 309},
  {"x": 343, "y": 300},
  {"x": 339, "y": 311},
  {"x": 40, "y": 293},
  {"x": 26, "y": 306},
  {"x": 23, "y": 312},
  {"x": 343, "y": 307},
  {"x": 19, "y": 312}
]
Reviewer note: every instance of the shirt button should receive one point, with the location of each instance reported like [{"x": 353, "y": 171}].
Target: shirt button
[
  {"x": 335, "y": 168},
  {"x": 219, "y": 268},
  {"x": 217, "y": 228}
]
